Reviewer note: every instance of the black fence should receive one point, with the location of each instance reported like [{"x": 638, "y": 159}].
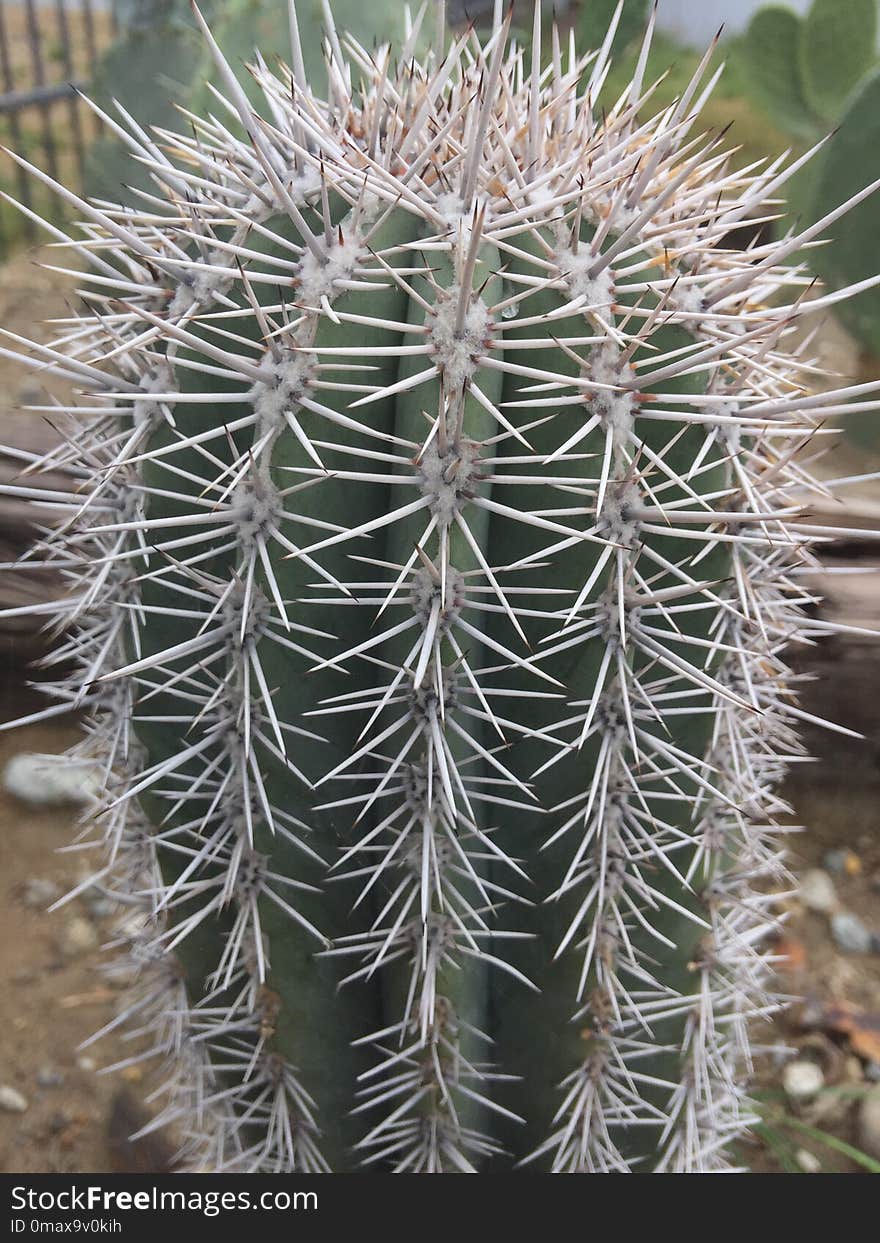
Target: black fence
[{"x": 49, "y": 50}]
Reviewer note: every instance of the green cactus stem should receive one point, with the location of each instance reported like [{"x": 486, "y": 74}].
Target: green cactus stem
[{"x": 436, "y": 543}]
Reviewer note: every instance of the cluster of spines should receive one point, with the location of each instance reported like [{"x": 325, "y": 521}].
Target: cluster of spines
[{"x": 498, "y": 165}]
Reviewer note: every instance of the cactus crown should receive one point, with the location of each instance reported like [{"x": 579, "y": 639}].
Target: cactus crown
[{"x": 433, "y": 545}]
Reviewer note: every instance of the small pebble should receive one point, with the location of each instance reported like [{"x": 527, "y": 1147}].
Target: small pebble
[
  {"x": 86, "y": 1063},
  {"x": 59, "y": 1121},
  {"x": 842, "y": 862},
  {"x": 869, "y": 1123},
  {"x": 802, "y": 1081},
  {"x": 38, "y": 893},
  {"x": 79, "y": 937},
  {"x": 817, "y": 891},
  {"x": 834, "y": 861},
  {"x": 51, "y": 780},
  {"x": 808, "y": 1161},
  {"x": 11, "y": 1100},
  {"x": 100, "y": 906},
  {"x": 49, "y": 1077},
  {"x": 850, "y": 933}
]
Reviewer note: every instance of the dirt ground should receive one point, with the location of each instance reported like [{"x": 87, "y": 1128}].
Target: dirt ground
[{"x": 53, "y": 994}]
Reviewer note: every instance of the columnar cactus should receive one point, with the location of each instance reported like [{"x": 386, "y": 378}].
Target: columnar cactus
[{"x": 436, "y": 545}]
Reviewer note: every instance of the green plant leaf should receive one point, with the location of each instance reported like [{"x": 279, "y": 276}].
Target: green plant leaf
[
  {"x": 836, "y": 1144},
  {"x": 837, "y": 48},
  {"x": 594, "y": 19},
  {"x": 771, "y": 64},
  {"x": 852, "y": 162},
  {"x": 779, "y": 1145},
  {"x": 244, "y": 25}
]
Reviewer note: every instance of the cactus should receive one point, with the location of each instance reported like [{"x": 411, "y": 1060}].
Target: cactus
[
  {"x": 809, "y": 74},
  {"x": 837, "y": 49},
  {"x": 245, "y": 26},
  {"x": 851, "y": 159},
  {"x": 591, "y": 22},
  {"x": 772, "y": 60},
  {"x": 150, "y": 67},
  {"x": 803, "y": 70},
  {"x": 160, "y": 66},
  {"x": 435, "y": 551}
]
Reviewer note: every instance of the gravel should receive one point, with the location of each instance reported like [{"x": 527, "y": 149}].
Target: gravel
[
  {"x": 850, "y": 934},
  {"x": 79, "y": 936},
  {"x": 817, "y": 892},
  {"x": 11, "y": 1100},
  {"x": 802, "y": 1081}
]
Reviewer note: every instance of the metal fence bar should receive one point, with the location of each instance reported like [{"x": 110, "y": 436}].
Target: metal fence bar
[
  {"x": 12, "y": 102},
  {"x": 88, "y": 17},
  {"x": 73, "y": 104},
  {"x": 49, "y": 52},
  {"x": 91, "y": 44},
  {"x": 39, "y": 79},
  {"x": 8, "y": 78}
]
